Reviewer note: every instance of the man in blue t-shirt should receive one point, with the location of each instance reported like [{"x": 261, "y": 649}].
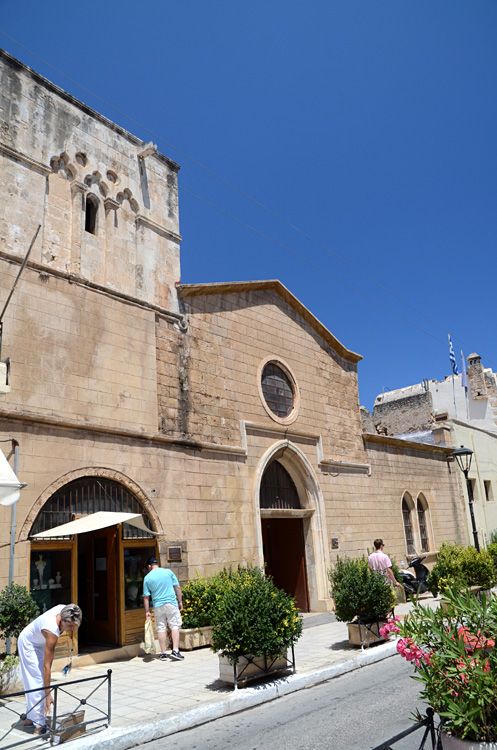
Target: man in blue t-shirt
[{"x": 162, "y": 585}]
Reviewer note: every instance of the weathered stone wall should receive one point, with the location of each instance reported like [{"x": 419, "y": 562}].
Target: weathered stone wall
[
  {"x": 231, "y": 335},
  {"x": 403, "y": 415},
  {"x": 77, "y": 354},
  {"x": 55, "y": 155},
  {"x": 107, "y": 382}
]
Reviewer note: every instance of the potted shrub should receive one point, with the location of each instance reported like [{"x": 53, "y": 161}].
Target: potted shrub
[
  {"x": 201, "y": 597},
  {"x": 254, "y": 626},
  {"x": 17, "y": 609},
  {"x": 363, "y": 599},
  {"x": 460, "y": 567},
  {"x": 454, "y": 657}
]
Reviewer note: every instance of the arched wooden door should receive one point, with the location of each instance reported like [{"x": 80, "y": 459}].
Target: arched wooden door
[{"x": 283, "y": 533}]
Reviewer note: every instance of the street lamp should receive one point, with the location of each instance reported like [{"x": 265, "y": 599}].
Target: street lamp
[{"x": 463, "y": 457}]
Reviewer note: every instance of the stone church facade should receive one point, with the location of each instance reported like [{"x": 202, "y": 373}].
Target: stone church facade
[{"x": 224, "y": 416}]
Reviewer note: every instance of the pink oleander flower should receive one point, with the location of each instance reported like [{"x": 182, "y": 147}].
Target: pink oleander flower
[{"x": 390, "y": 627}]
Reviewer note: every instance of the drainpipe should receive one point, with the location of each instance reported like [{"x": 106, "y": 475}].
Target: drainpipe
[{"x": 13, "y": 508}]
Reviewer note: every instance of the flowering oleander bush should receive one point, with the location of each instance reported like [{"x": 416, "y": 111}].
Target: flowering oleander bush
[
  {"x": 455, "y": 660},
  {"x": 201, "y": 597},
  {"x": 254, "y": 617},
  {"x": 359, "y": 591},
  {"x": 459, "y": 567},
  {"x": 391, "y": 626}
]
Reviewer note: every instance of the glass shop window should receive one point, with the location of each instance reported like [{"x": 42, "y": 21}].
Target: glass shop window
[
  {"x": 50, "y": 577},
  {"x": 135, "y": 570}
]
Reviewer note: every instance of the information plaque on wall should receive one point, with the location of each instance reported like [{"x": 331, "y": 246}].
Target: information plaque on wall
[
  {"x": 334, "y": 543},
  {"x": 174, "y": 554}
]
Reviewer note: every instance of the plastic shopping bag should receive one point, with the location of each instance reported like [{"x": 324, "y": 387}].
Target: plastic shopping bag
[{"x": 149, "y": 636}]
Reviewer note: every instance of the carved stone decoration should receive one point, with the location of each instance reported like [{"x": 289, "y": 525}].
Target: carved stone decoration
[
  {"x": 96, "y": 179},
  {"x": 61, "y": 165},
  {"x": 126, "y": 194}
]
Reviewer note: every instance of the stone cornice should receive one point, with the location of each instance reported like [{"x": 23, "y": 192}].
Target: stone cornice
[
  {"x": 325, "y": 464},
  {"x": 45, "y": 83},
  {"x": 234, "y": 287},
  {"x": 407, "y": 445},
  {"x": 64, "y": 423},
  {"x": 72, "y": 278},
  {"x": 26, "y": 160},
  {"x": 140, "y": 219},
  {"x": 110, "y": 203}
]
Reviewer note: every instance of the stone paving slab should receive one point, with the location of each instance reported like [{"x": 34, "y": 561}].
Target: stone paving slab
[{"x": 152, "y": 698}]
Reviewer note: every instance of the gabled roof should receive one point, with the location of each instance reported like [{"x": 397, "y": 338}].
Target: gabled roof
[{"x": 234, "y": 287}]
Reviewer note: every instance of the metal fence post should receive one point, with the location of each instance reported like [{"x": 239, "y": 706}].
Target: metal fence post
[{"x": 109, "y": 672}]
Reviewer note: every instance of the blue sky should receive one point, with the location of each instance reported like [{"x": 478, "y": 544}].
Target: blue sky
[{"x": 370, "y": 127}]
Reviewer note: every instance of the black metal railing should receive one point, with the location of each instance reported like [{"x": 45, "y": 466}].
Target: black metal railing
[
  {"x": 63, "y": 716},
  {"x": 430, "y": 731}
]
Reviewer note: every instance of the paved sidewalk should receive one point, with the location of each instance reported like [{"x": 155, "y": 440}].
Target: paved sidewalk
[{"x": 153, "y": 699}]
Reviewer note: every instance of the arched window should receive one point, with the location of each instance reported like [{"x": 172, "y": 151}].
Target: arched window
[
  {"x": 407, "y": 506},
  {"x": 87, "y": 495},
  {"x": 278, "y": 489},
  {"x": 422, "y": 510},
  {"x": 91, "y": 210}
]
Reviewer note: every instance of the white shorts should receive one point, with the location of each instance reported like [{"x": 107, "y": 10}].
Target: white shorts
[{"x": 167, "y": 614}]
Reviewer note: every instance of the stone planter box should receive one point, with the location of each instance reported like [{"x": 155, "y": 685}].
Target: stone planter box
[
  {"x": 251, "y": 668},
  {"x": 190, "y": 638},
  {"x": 11, "y": 680},
  {"x": 367, "y": 634},
  {"x": 454, "y": 743}
]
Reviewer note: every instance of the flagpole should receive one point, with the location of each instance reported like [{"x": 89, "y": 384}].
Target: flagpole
[
  {"x": 464, "y": 384},
  {"x": 453, "y": 368}
]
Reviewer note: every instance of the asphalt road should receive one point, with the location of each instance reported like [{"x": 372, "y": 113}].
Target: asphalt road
[{"x": 354, "y": 712}]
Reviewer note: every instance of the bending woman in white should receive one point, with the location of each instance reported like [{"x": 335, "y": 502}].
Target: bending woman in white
[{"x": 36, "y": 648}]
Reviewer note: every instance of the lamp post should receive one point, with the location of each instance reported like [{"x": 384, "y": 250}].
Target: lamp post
[{"x": 463, "y": 457}]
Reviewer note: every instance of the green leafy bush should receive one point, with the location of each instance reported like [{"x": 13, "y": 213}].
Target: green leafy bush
[
  {"x": 455, "y": 659},
  {"x": 492, "y": 550},
  {"x": 459, "y": 567},
  {"x": 254, "y": 617},
  {"x": 201, "y": 597},
  {"x": 359, "y": 591},
  {"x": 17, "y": 609}
]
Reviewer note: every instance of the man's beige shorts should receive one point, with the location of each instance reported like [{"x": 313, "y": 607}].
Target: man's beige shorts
[{"x": 167, "y": 614}]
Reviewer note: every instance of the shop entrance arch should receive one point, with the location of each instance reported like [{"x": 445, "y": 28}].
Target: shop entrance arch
[{"x": 100, "y": 564}]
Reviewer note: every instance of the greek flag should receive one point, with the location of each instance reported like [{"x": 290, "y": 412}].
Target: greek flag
[{"x": 452, "y": 357}]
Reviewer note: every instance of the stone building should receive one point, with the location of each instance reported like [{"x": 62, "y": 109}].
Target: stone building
[
  {"x": 219, "y": 423},
  {"x": 448, "y": 413}
]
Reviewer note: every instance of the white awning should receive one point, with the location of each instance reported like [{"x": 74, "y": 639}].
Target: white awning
[
  {"x": 9, "y": 484},
  {"x": 94, "y": 521}
]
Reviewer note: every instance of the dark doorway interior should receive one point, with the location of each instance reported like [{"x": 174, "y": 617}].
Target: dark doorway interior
[
  {"x": 284, "y": 556},
  {"x": 97, "y": 588}
]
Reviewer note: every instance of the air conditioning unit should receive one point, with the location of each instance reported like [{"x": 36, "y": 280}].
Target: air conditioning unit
[{"x": 5, "y": 376}]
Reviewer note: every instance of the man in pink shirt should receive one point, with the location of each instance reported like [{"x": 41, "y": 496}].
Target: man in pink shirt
[{"x": 377, "y": 560}]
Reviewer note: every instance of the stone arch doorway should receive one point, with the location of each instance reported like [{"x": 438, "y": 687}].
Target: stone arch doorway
[
  {"x": 102, "y": 568},
  {"x": 311, "y": 515},
  {"x": 283, "y": 535}
]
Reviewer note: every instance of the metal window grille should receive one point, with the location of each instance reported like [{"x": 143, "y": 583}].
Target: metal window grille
[
  {"x": 90, "y": 495},
  {"x": 278, "y": 489},
  {"x": 277, "y": 390},
  {"x": 422, "y": 527},
  {"x": 406, "y": 513}
]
